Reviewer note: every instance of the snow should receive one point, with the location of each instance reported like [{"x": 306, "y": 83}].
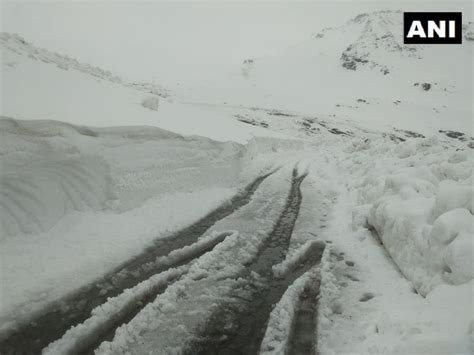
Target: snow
[
  {"x": 224, "y": 263},
  {"x": 106, "y": 312},
  {"x": 151, "y": 103},
  {"x": 421, "y": 207},
  {"x": 77, "y": 200},
  {"x": 280, "y": 321},
  {"x": 115, "y": 306},
  {"x": 307, "y": 235},
  {"x": 389, "y": 189},
  {"x": 310, "y": 225},
  {"x": 411, "y": 294},
  {"x": 309, "y": 77},
  {"x": 91, "y": 99}
]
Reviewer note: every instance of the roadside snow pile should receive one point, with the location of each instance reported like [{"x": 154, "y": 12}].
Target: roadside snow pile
[
  {"x": 50, "y": 169},
  {"x": 35, "y": 196},
  {"x": 418, "y": 196},
  {"x": 75, "y": 200}
]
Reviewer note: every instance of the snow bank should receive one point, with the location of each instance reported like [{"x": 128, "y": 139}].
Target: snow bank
[
  {"x": 75, "y": 200},
  {"x": 36, "y": 196},
  {"x": 361, "y": 284},
  {"x": 51, "y": 169},
  {"x": 79, "y": 201},
  {"x": 421, "y": 206}
]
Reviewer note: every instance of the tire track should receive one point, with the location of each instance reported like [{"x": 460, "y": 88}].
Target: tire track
[
  {"x": 238, "y": 325},
  {"x": 53, "y": 322},
  {"x": 303, "y": 330},
  {"x": 80, "y": 341}
]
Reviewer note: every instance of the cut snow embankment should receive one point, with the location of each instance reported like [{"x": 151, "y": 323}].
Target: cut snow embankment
[{"x": 76, "y": 201}]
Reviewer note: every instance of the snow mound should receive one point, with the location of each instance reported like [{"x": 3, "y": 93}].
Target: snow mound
[
  {"x": 33, "y": 198},
  {"x": 77, "y": 201},
  {"x": 419, "y": 200},
  {"x": 151, "y": 103},
  {"x": 50, "y": 169}
]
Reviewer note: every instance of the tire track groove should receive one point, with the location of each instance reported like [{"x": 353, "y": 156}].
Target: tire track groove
[
  {"x": 303, "y": 330},
  {"x": 30, "y": 338},
  {"x": 238, "y": 325},
  {"x": 100, "y": 330}
]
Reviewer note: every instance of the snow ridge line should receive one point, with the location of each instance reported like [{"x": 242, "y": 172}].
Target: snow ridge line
[
  {"x": 50, "y": 324},
  {"x": 85, "y": 337},
  {"x": 291, "y": 262}
]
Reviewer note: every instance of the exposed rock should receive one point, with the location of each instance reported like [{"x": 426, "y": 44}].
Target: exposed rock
[{"x": 424, "y": 86}]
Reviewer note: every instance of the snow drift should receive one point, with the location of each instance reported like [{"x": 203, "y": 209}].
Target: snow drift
[
  {"x": 74, "y": 200},
  {"x": 419, "y": 199}
]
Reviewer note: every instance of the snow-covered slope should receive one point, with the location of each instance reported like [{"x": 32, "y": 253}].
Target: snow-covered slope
[
  {"x": 39, "y": 84},
  {"x": 362, "y": 71}
]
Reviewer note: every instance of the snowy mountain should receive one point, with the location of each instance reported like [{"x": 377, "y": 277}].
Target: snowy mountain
[
  {"x": 57, "y": 87},
  {"x": 14, "y": 43},
  {"x": 362, "y": 71}
]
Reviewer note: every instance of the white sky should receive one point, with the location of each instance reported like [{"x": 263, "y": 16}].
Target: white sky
[{"x": 171, "y": 41}]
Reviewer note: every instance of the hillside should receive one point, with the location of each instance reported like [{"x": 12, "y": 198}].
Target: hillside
[
  {"x": 363, "y": 73},
  {"x": 40, "y": 84}
]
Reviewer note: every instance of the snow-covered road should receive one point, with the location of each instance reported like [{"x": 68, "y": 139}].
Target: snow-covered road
[{"x": 232, "y": 290}]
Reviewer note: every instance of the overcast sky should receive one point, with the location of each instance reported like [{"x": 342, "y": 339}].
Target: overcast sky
[{"x": 175, "y": 40}]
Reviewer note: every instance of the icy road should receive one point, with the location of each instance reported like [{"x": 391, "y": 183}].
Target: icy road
[{"x": 210, "y": 288}]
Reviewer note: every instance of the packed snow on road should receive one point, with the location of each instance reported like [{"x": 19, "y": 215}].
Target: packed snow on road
[{"x": 316, "y": 200}]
